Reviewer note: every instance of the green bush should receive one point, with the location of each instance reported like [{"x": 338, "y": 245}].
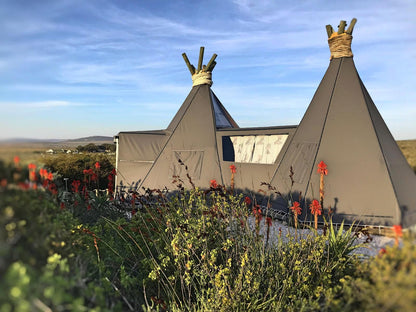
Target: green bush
[
  {"x": 44, "y": 259},
  {"x": 72, "y": 166},
  {"x": 202, "y": 254},
  {"x": 386, "y": 282}
]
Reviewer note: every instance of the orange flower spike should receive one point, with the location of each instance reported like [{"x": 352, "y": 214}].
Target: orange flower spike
[
  {"x": 31, "y": 166},
  {"x": 397, "y": 233},
  {"x": 398, "y": 230},
  {"x": 315, "y": 207},
  {"x": 296, "y": 208},
  {"x": 97, "y": 165},
  {"x": 316, "y": 210},
  {"x": 322, "y": 168},
  {"x": 233, "y": 169},
  {"x": 213, "y": 183},
  {"x": 16, "y": 161}
]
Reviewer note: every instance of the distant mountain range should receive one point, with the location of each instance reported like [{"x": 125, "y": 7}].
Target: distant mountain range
[{"x": 79, "y": 141}]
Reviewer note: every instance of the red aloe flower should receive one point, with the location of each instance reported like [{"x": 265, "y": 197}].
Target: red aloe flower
[
  {"x": 233, "y": 169},
  {"x": 296, "y": 208},
  {"x": 247, "y": 200},
  {"x": 94, "y": 177},
  {"x": 322, "y": 168},
  {"x": 316, "y": 210},
  {"x": 315, "y": 207},
  {"x": 398, "y": 230},
  {"x": 62, "y": 206},
  {"x": 50, "y": 176},
  {"x": 31, "y": 166},
  {"x": 269, "y": 221},
  {"x": 213, "y": 184},
  {"x": 113, "y": 172},
  {"x": 75, "y": 185},
  {"x": 89, "y": 207},
  {"x": 16, "y": 161},
  {"x": 97, "y": 165},
  {"x": 397, "y": 233}
]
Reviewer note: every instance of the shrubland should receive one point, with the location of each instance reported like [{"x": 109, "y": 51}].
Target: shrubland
[{"x": 83, "y": 249}]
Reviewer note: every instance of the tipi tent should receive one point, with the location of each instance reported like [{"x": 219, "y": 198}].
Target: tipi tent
[
  {"x": 369, "y": 179},
  {"x": 201, "y": 141}
]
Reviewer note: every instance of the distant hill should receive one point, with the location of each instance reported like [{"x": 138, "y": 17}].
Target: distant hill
[
  {"x": 90, "y": 139},
  {"x": 57, "y": 142}
]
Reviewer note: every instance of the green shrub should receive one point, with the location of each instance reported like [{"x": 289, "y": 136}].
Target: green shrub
[
  {"x": 386, "y": 282},
  {"x": 202, "y": 253},
  {"x": 72, "y": 166}
]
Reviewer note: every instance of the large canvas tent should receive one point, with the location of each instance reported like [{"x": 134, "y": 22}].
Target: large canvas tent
[
  {"x": 201, "y": 141},
  {"x": 369, "y": 179}
]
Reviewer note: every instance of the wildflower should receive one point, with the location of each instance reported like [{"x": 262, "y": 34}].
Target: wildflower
[
  {"x": 42, "y": 172},
  {"x": 233, "y": 169},
  {"x": 322, "y": 168},
  {"x": 50, "y": 176},
  {"x": 269, "y": 221},
  {"x": 316, "y": 210},
  {"x": 62, "y": 205},
  {"x": 75, "y": 185},
  {"x": 257, "y": 213},
  {"x": 31, "y": 166},
  {"x": 94, "y": 177},
  {"x": 89, "y": 207},
  {"x": 398, "y": 230},
  {"x": 315, "y": 207},
  {"x": 16, "y": 161},
  {"x": 3, "y": 182},
  {"x": 213, "y": 184},
  {"x": 323, "y": 171},
  {"x": 397, "y": 233},
  {"x": 297, "y": 210},
  {"x": 247, "y": 200},
  {"x": 97, "y": 165},
  {"x": 382, "y": 251}
]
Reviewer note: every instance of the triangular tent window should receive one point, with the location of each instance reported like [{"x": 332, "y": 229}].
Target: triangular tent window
[{"x": 221, "y": 119}]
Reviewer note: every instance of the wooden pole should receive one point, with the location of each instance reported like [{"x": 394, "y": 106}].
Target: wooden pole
[
  {"x": 211, "y": 68},
  {"x": 214, "y": 56},
  {"x": 190, "y": 66},
  {"x": 351, "y": 27},
  {"x": 329, "y": 30},
  {"x": 341, "y": 27},
  {"x": 201, "y": 57}
]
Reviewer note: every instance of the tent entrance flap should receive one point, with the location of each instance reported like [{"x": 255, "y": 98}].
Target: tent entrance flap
[{"x": 187, "y": 162}]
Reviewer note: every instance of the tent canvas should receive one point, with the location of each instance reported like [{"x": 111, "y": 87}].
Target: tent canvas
[{"x": 369, "y": 179}]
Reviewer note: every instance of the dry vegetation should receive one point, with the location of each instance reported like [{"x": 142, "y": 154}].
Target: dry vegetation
[{"x": 408, "y": 148}]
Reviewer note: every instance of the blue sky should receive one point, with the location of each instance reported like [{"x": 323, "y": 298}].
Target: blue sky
[{"x": 72, "y": 68}]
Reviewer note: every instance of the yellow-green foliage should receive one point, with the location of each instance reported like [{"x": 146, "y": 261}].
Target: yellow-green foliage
[
  {"x": 387, "y": 282},
  {"x": 408, "y": 148},
  {"x": 205, "y": 255}
]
